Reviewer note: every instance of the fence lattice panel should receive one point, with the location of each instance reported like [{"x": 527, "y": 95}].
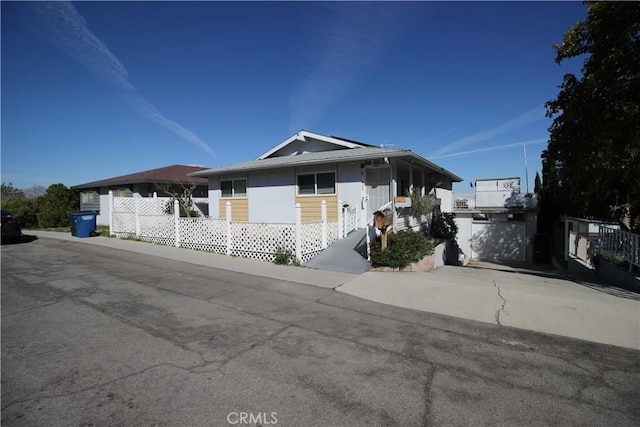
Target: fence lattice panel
[
  {"x": 158, "y": 229},
  {"x": 311, "y": 240},
  {"x": 124, "y": 217},
  {"x": 261, "y": 240},
  {"x": 333, "y": 231},
  {"x": 205, "y": 234}
]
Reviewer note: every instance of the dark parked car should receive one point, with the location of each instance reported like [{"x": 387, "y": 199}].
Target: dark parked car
[{"x": 11, "y": 230}]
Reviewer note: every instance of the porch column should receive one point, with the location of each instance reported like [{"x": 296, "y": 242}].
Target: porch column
[
  {"x": 410, "y": 180},
  {"x": 423, "y": 191}
]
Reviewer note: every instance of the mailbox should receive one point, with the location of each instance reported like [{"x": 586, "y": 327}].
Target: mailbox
[{"x": 383, "y": 219}]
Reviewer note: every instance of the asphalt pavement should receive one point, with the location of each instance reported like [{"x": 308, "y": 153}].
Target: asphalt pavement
[
  {"x": 104, "y": 333},
  {"x": 535, "y": 300}
]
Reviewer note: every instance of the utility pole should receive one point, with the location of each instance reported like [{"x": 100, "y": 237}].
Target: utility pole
[{"x": 526, "y": 170}]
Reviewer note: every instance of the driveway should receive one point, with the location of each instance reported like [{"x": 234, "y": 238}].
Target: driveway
[
  {"x": 537, "y": 300},
  {"x": 95, "y": 335}
]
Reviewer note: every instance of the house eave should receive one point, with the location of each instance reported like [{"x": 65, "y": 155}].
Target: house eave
[{"x": 352, "y": 156}]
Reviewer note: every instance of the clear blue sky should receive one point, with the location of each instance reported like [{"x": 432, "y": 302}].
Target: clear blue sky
[{"x": 100, "y": 89}]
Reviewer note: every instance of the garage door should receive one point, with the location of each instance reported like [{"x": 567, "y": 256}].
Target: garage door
[{"x": 503, "y": 240}]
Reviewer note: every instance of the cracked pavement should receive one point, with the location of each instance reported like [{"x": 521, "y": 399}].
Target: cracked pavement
[{"x": 97, "y": 336}]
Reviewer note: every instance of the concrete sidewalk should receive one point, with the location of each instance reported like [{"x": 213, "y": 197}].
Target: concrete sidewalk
[{"x": 533, "y": 300}]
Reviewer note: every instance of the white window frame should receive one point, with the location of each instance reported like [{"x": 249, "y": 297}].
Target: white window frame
[
  {"x": 315, "y": 183},
  {"x": 233, "y": 188}
]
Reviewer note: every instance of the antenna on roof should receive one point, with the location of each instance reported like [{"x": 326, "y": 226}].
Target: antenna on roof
[{"x": 384, "y": 144}]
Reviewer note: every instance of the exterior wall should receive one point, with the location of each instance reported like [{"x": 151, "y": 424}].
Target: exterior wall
[
  {"x": 272, "y": 195},
  {"x": 498, "y": 238},
  {"x": 446, "y": 198},
  {"x": 310, "y": 146},
  {"x": 496, "y": 192},
  {"x": 239, "y": 208},
  {"x": 351, "y": 189},
  {"x": 464, "y": 221},
  {"x": 312, "y": 207}
]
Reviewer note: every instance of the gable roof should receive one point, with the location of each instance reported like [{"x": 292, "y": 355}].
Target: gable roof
[
  {"x": 303, "y": 135},
  {"x": 167, "y": 175},
  {"x": 356, "y": 154}
]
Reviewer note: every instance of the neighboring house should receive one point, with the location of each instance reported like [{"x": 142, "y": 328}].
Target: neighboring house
[
  {"x": 497, "y": 222},
  {"x": 94, "y": 196},
  {"x": 308, "y": 168}
]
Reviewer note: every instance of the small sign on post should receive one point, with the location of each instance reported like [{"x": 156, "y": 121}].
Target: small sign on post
[{"x": 382, "y": 220}]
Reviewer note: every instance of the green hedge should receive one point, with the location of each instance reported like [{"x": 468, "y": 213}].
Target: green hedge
[{"x": 402, "y": 249}]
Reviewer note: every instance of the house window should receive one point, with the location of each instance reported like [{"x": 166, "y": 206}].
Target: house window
[
  {"x": 317, "y": 183},
  {"x": 122, "y": 192},
  {"x": 234, "y": 188}
]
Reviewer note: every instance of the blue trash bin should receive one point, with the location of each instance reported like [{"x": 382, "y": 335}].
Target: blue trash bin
[{"x": 85, "y": 223}]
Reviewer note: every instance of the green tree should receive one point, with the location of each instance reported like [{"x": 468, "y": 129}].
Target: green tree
[
  {"x": 8, "y": 190},
  {"x": 22, "y": 208},
  {"x": 591, "y": 166},
  {"x": 55, "y": 206}
]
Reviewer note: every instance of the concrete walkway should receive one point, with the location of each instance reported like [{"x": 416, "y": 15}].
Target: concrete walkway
[
  {"x": 534, "y": 300},
  {"x": 343, "y": 255}
]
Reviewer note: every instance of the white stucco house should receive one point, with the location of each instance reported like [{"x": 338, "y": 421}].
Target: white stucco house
[
  {"x": 308, "y": 167},
  {"x": 497, "y": 222}
]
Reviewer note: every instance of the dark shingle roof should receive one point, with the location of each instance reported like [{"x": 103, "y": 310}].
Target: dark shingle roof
[{"x": 169, "y": 175}]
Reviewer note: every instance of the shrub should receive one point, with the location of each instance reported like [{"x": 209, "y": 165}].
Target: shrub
[
  {"x": 54, "y": 206},
  {"x": 444, "y": 226},
  {"x": 283, "y": 256},
  {"x": 402, "y": 249}
]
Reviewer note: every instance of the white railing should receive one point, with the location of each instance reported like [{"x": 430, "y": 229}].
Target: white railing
[
  {"x": 464, "y": 201},
  {"x": 145, "y": 219},
  {"x": 350, "y": 218},
  {"x": 502, "y": 200},
  {"x": 621, "y": 244}
]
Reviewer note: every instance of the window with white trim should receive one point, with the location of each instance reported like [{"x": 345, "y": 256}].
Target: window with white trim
[
  {"x": 316, "y": 183},
  {"x": 233, "y": 188}
]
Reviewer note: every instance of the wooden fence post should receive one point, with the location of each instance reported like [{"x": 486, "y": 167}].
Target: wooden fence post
[{"x": 228, "y": 220}]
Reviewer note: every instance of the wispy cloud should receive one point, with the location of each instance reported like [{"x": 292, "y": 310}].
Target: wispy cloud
[
  {"x": 531, "y": 116},
  {"x": 351, "y": 37},
  {"x": 61, "y": 24},
  {"x": 494, "y": 148}
]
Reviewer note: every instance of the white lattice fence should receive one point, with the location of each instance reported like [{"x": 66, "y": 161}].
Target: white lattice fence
[
  {"x": 158, "y": 229},
  {"x": 205, "y": 234},
  {"x": 146, "y": 219},
  {"x": 350, "y": 219},
  {"x": 260, "y": 241},
  {"x": 123, "y": 217},
  {"x": 311, "y": 233},
  {"x": 333, "y": 231}
]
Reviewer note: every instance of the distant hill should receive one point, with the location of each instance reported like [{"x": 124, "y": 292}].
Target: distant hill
[{"x": 35, "y": 191}]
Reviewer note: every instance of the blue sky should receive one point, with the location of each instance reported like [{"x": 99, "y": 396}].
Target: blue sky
[{"x": 94, "y": 90}]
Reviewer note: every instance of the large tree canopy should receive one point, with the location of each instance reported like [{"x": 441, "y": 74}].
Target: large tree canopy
[{"x": 591, "y": 166}]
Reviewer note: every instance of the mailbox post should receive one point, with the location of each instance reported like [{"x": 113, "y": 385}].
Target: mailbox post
[{"x": 382, "y": 220}]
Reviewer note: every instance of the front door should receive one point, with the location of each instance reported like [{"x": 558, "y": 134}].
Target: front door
[{"x": 378, "y": 187}]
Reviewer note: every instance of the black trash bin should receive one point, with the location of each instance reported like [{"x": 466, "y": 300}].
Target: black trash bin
[{"x": 83, "y": 223}]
